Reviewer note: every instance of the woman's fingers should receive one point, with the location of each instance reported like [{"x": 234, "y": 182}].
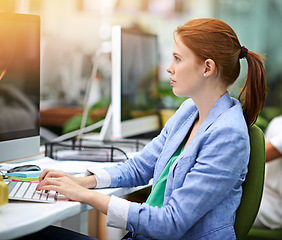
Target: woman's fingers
[
  {"x": 52, "y": 183},
  {"x": 43, "y": 174},
  {"x": 50, "y": 173},
  {"x": 45, "y": 182},
  {"x": 63, "y": 185}
]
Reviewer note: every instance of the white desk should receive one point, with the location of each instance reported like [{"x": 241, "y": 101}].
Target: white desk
[{"x": 21, "y": 218}]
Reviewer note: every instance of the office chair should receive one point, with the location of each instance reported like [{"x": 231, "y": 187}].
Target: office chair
[
  {"x": 264, "y": 234},
  {"x": 253, "y": 185}
]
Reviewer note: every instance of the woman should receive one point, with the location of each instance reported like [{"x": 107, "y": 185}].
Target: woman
[{"x": 199, "y": 160}]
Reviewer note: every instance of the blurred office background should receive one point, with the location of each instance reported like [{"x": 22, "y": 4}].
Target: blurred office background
[{"x": 73, "y": 30}]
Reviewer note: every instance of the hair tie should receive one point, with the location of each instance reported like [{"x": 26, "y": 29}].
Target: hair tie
[{"x": 244, "y": 52}]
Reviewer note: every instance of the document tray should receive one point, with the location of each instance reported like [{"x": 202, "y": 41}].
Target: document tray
[{"x": 91, "y": 150}]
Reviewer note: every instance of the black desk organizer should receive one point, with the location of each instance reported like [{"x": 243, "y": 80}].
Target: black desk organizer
[{"x": 91, "y": 150}]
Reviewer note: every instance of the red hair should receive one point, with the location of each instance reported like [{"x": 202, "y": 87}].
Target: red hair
[{"x": 210, "y": 38}]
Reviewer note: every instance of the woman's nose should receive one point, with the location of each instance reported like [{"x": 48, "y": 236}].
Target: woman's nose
[{"x": 169, "y": 69}]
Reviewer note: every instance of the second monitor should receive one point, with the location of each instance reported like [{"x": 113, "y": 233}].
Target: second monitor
[{"x": 135, "y": 96}]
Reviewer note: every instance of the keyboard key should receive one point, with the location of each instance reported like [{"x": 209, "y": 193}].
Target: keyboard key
[
  {"x": 15, "y": 189},
  {"x": 30, "y": 191},
  {"x": 51, "y": 196},
  {"x": 37, "y": 195},
  {"x": 11, "y": 186},
  {"x": 44, "y": 195},
  {"x": 22, "y": 190}
]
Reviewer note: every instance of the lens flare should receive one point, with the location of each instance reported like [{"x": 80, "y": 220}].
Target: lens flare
[{"x": 2, "y": 74}]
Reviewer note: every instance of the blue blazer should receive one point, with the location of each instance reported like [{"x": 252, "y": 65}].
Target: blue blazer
[{"x": 204, "y": 185}]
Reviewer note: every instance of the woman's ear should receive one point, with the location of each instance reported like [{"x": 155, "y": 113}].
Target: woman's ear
[{"x": 210, "y": 67}]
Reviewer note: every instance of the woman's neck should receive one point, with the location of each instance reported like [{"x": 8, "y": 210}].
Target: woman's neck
[{"x": 206, "y": 102}]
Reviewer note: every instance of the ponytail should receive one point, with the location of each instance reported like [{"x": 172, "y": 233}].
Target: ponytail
[
  {"x": 214, "y": 39},
  {"x": 253, "y": 94}
]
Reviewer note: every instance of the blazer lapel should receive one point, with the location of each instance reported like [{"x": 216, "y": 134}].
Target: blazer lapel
[
  {"x": 174, "y": 141},
  {"x": 223, "y": 104}
]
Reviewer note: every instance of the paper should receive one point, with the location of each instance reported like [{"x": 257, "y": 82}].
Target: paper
[
  {"x": 71, "y": 167},
  {"x": 24, "y": 179},
  {"x": 25, "y": 174}
]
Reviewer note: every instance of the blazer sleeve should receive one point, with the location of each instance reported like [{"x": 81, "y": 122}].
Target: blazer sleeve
[
  {"x": 219, "y": 168},
  {"x": 140, "y": 169}
]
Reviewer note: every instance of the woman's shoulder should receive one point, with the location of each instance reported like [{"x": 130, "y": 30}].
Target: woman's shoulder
[
  {"x": 230, "y": 120},
  {"x": 186, "y": 107},
  {"x": 231, "y": 125}
]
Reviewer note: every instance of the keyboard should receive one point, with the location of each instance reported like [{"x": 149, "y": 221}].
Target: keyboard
[{"x": 26, "y": 191}]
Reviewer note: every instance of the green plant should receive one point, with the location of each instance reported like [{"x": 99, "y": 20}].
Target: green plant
[
  {"x": 74, "y": 123},
  {"x": 169, "y": 100},
  {"x": 266, "y": 115}
]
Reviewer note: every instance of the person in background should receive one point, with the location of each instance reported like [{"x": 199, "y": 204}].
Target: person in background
[
  {"x": 199, "y": 160},
  {"x": 270, "y": 212}
]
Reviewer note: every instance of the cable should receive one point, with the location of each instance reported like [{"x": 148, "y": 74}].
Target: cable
[{"x": 80, "y": 131}]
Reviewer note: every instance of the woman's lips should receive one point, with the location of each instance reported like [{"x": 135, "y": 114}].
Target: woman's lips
[{"x": 172, "y": 81}]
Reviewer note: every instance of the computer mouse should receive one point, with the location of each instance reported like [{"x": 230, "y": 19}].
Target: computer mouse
[{"x": 24, "y": 168}]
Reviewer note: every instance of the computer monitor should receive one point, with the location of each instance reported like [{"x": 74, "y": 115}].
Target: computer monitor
[
  {"x": 135, "y": 96},
  {"x": 19, "y": 85}
]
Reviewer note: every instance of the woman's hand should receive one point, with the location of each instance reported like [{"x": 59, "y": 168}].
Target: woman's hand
[
  {"x": 64, "y": 184},
  {"x": 50, "y": 173},
  {"x": 69, "y": 186},
  {"x": 87, "y": 182}
]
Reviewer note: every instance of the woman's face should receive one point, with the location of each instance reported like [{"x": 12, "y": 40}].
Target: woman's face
[{"x": 186, "y": 73}]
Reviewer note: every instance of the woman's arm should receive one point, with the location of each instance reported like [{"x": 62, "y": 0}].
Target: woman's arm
[
  {"x": 140, "y": 169},
  {"x": 273, "y": 143},
  {"x": 271, "y": 152},
  {"x": 70, "y": 188}
]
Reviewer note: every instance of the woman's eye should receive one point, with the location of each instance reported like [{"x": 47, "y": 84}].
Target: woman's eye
[{"x": 176, "y": 58}]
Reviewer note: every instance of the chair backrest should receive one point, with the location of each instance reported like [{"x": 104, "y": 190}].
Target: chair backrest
[{"x": 253, "y": 185}]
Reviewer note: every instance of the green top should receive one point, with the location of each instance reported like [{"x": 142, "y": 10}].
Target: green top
[{"x": 156, "y": 197}]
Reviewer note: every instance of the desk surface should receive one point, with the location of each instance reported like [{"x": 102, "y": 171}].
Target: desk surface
[{"x": 20, "y": 218}]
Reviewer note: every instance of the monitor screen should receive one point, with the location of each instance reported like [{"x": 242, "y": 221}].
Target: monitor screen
[
  {"x": 135, "y": 96},
  {"x": 19, "y": 85}
]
